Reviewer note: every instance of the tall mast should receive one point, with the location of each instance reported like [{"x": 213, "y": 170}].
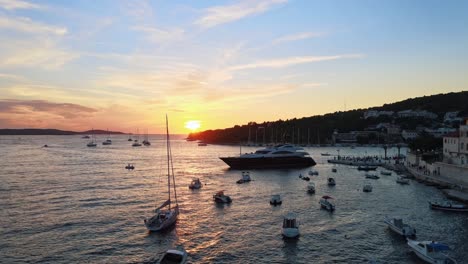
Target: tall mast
[{"x": 168, "y": 165}]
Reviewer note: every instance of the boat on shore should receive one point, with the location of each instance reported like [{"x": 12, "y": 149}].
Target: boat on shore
[
  {"x": 166, "y": 214},
  {"x": 448, "y": 206},
  {"x": 276, "y": 200},
  {"x": 367, "y": 168},
  {"x": 327, "y": 203},
  {"x": 279, "y": 156},
  {"x": 290, "y": 226},
  {"x": 431, "y": 251},
  {"x": 397, "y": 226}
]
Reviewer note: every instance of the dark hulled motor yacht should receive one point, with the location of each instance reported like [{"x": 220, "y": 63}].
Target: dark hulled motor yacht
[{"x": 279, "y": 156}]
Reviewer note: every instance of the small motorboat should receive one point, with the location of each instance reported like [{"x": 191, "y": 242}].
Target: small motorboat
[
  {"x": 107, "y": 142},
  {"x": 174, "y": 256},
  {"x": 129, "y": 167},
  {"x": 311, "y": 187},
  {"x": 397, "y": 225},
  {"x": 85, "y": 136},
  {"x": 449, "y": 206},
  {"x": 146, "y": 143},
  {"x": 195, "y": 184},
  {"x": 367, "y": 188},
  {"x": 367, "y": 168},
  {"x": 276, "y": 200},
  {"x": 305, "y": 178},
  {"x": 313, "y": 172},
  {"x": 402, "y": 180},
  {"x": 45, "y": 146},
  {"x": 333, "y": 170},
  {"x": 219, "y": 197},
  {"x": 327, "y": 203},
  {"x": 431, "y": 251},
  {"x": 331, "y": 181},
  {"x": 245, "y": 177},
  {"x": 202, "y": 144},
  {"x": 290, "y": 226},
  {"x": 372, "y": 176},
  {"x": 386, "y": 173}
]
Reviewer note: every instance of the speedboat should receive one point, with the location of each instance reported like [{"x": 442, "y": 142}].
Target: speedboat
[
  {"x": 219, "y": 197},
  {"x": 397, "y": 225},
  {"x": 311, "y": 187},
  {"x": 367, "y": 168},
  {"x": 245, "y": 177},
  {"x": 431, "y": 251},
  {"x": 386, "y": 173},
  {"x": 174, "y": 256},
  {"x": 372, "y": 176},
  {"x": 130, "y": 167},
  {"x": 448, "y": 206},
  {"x": 195, "y": 184},
  {"x": 279, "y": 156},
  {"x": 276, "y": 199},
  {"x": 290, "y": 226},
  {"x": 331, "y": 181},
  {"x": 313, "y": 172},
  {"x": 326, "y": 203},
  {"x": 367, "y": 188},
  {"x": 402, "y": 180}
]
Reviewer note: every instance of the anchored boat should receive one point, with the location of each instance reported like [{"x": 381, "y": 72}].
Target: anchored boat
[
  {"x": 448, "y": 206},
  {"x": 397, "y": 225},
  {"x": 431, "y": 251}
]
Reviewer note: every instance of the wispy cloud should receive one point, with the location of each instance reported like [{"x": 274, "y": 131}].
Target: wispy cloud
[
  {"x": 157, "y": 35},
  {"x": 25, "y": 24},
  {"x": 217, "y": 15},
  {"x": 285, "y": 62},
  {"x": 298, "y": 36},
  {"x": 17, "y": 4},
  {"x": 43, "y": 53},
  {"x": 66, "y": 110}
]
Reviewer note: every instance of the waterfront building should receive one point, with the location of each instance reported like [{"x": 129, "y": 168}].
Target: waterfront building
[
  {"x": 455, "y": 146},
  {"x": 412, "y": 113}
]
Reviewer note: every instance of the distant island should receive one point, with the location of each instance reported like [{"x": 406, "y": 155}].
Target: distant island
[
  {"x": 34, "y": 131},
  {"x": 400, "y": 122}
]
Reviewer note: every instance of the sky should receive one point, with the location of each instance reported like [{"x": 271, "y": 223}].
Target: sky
[{"x": 122, "y": 65}]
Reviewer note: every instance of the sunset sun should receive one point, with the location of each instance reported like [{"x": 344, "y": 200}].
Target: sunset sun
[{"x": 192, "y": 125}]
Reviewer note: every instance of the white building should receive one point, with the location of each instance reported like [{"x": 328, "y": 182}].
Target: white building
[
  {"x": 409, "y": 134},
  {"x": 411, "y": 113},
  {"x": 455, "y": 146},
  {"x": 375, "y": 113},
  {"x": 440, "y": 132}
]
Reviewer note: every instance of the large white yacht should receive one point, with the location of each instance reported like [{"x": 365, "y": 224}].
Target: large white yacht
[{"x": 279, "y": 156}]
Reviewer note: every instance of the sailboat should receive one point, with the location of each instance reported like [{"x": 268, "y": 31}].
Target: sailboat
[
  {"x": 146, "y": 140},
  {"x": 166, "y": 214},
  {"x": 92, "y": 143},
  {"x": 108, "y": 141},
  {"x": 136, "y": 142}
]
